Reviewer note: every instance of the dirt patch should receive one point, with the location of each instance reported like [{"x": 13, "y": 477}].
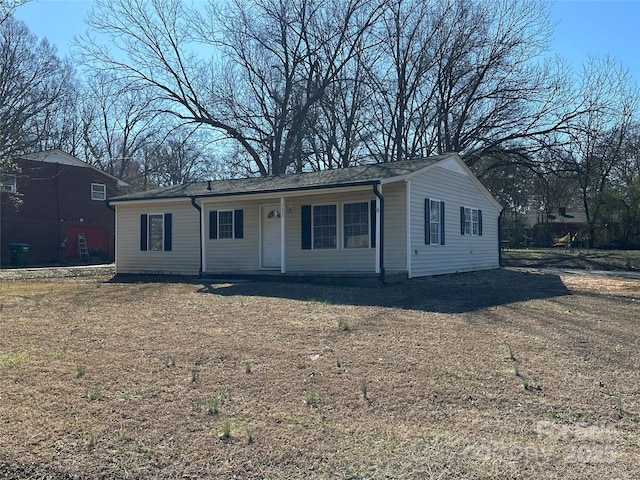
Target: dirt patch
[{"x": 499, "y": 374}]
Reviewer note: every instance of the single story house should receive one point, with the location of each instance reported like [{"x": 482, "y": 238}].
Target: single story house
[{"x": 410, "y": 218}]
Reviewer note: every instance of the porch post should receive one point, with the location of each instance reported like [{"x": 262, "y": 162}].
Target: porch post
[{"x": 283, "y": 232}]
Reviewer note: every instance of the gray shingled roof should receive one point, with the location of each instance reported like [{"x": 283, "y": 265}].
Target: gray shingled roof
[{"x": 344, "y": 177}]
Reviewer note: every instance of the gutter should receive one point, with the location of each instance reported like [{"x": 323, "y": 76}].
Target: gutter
[
  {"x": 247, "y": 193},
  {"x": 381, "y": 227},
  {"x": 197, "y": 207}
]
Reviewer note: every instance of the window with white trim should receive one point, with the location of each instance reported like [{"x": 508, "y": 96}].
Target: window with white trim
[
  {"x": 470, "y": 221},
  {"x": 434, "y": 222},
  {"x": 8, "y": 183},
  {"x": 325, "y": 226},
  {"x": 98, "y": 191},
  {"x": 156, "y": 232},
  {"x": 356, "y": 225},
  {"x": 225, "y": 224}
]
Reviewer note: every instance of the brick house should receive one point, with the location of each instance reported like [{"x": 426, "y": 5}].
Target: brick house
[{"x": 49, "y": 200}]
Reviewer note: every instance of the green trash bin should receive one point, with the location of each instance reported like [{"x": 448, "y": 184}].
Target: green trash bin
[{"x": 19, "y": 253}]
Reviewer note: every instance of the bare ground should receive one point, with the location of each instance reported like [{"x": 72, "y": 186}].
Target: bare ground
[{"x": 499, "y": 374}]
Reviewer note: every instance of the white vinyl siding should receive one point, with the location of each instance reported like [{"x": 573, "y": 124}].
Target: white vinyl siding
[
  {"x": 461, "y": 253},
  {"x": 227, "y": 254},
  {"x": 184, "y": 257},
  {"x": 395, "y": 230},
  {"x": 326, "y": 260}
]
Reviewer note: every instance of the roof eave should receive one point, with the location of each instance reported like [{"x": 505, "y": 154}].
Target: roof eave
[{"x": 308, "y": 188}]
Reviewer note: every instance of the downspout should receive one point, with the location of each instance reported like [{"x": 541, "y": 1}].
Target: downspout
[
  {"x": 500, "y": 238},
  {"x": 381, "y": 227},
  {"x": 197, "y": 207}
]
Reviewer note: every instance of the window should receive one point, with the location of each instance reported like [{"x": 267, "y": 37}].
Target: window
[
  {"x": 155, "y": 232},
  {"x": 325, "y": 228},
  {"x": 356, "y": 225},
  {"x": 470, "y": 221},
  {"x": 319, "y": 226},
  {"x": 226, "y": 224},
  {"x": 98, "y": 191},
  {"x": 433, "y": 222},
  {"x": 7, "y": 183}
]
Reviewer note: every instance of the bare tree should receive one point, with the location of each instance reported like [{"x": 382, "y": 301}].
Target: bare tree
[
  {"x": 597, "y": 140},
  {"x": 119, "y": 120},
  {"x": 181, "y": 157},
  {"x": 7, "y": 7},
  {"x": 273, "y": 61},
  {"x": 34, "y": 84}
]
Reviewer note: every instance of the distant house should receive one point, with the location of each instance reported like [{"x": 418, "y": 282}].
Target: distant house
[
  {"x": 409, "y": 219},
  {"x": 51, "y": 200}
]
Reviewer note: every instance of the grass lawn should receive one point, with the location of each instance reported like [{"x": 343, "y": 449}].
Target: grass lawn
[
  {"x": 499, "y": 374},
  {"x": 588, "y": 259}
]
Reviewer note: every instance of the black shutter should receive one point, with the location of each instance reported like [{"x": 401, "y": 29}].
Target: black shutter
[
  {"x": 461, "y": 220},
  {"x": 167, "y": 232},
  {"x": 143, "y": 232},
  {"x": 238, "y": 228},
  {"x": 213, "y": 224},
  {"x": 427, "y": 221},
  {"x": 305, "y": 214},
  {"x": 480, "y": 222},
  {"x": 372, "y": 223},
  {"x": 441, "y": 223}
]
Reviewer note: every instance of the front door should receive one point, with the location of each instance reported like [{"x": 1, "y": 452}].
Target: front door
[{"x": 271, "y": 236}]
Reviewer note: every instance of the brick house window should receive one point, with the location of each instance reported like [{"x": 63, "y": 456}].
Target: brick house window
[
  {"x": 98, "y": 191},
  {"x": 7, "y": 183}
]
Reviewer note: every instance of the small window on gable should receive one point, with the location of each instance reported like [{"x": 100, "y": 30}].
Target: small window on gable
[
  {"x": 98, "y": 191},
  {"x": 8, "y": 183}
]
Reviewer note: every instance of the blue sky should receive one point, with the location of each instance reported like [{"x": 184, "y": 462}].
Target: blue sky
[{"x": 583, "y": 27}]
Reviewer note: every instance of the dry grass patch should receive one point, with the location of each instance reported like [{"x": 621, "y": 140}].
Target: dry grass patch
[{"x": 267, "y": 380}]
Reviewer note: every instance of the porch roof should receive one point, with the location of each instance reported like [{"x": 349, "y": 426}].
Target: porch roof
[{"x": 344, "y": 177}]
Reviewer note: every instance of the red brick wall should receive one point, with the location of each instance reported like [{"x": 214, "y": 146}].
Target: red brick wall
[{"x": 55, "y": 202}]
